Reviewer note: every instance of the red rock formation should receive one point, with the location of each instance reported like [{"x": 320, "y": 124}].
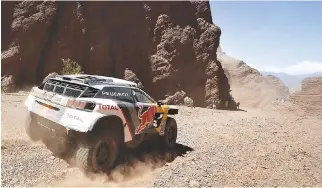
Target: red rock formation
[
  {"x": 170, "y": 46},
  {"x": 25, "y": 38}
]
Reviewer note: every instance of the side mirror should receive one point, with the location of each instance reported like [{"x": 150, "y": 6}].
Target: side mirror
[{"x": 160, "y": 103}]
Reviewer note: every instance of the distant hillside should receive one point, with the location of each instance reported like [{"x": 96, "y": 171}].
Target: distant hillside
[
  {"x": 310, "y": 95},
  {"x": 248, "y": 85},
  {"x": 293, "y": 82}
]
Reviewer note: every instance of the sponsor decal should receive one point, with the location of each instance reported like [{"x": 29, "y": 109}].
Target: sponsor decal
[
  {"x": 74, "y": 117},
  {"x": 108, "y": 107},
  {"x": 76, "y": 104},
  {"x": 117, "y": 94},
  {"x": 70, "y": 102},
  {"x": 146, "y": 117}
]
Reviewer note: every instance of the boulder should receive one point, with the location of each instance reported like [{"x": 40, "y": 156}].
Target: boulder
[{"x": 8, "y": 84}]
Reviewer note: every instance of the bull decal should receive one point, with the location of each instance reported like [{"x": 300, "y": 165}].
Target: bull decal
[{"x": 146, "y": 117}]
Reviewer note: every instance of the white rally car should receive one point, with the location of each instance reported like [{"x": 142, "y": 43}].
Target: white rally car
[{"x": 94, "y": 116}]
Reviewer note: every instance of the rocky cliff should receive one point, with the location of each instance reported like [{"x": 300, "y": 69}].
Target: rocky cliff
[
  {"x": 248, "y": 85},
  {"x": 310, "y": 96},
  {"x": 279, "y": 85},
  {"x": 312, "y": 86},
  {"x": 170, "y": 46}
]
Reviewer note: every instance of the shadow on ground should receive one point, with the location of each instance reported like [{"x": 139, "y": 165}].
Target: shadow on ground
[
  {"x": 238, "y": 110},
  {"x": 151, "y": 151},
  {"x": 242, "y": 110},
  {"x": 147, "y": 157},
  {"x": 139, "y": 161}
]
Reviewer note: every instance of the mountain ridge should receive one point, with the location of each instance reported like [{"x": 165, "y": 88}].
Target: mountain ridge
[{"x": 293, "y": 82}]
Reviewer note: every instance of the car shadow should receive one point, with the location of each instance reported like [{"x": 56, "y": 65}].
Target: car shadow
[
  {"x": 242, "y": 110},
  {"x": 146, "y": 158},
  {"x": 136, "y": 162}
]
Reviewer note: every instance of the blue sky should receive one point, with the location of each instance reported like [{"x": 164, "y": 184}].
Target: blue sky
[{"x": 283, "y": 36}]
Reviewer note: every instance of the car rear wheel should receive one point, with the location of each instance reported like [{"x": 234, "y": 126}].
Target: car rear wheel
[{"x": 99, "y": 154}]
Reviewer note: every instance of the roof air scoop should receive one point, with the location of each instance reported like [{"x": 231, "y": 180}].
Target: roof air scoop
[
  {"x": 98, "y": 81},
  {"x": 66, "y": 78}
]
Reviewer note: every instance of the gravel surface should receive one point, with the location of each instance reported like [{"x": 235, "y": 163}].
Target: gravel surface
[{"x": 277, "y": 146}]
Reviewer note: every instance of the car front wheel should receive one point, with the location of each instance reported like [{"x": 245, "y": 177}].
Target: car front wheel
[{"x": 169, "y": 138}]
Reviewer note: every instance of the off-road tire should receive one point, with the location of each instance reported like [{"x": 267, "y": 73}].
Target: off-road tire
[
  {"x": 85, "y": 153},
  {"x": 32, "y": 129},
  {"x": 171, "y": 131}
]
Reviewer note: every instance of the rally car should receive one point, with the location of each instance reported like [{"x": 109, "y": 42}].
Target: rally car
[{"x": 95, "y": 116}]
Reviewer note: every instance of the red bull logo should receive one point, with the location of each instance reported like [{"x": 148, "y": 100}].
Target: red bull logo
[{"x": 146, "y": 117}]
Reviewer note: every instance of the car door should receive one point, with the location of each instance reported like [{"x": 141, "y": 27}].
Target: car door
[
  {"x": 146, "y": 108},
  {"x": 125, "y": 101}
]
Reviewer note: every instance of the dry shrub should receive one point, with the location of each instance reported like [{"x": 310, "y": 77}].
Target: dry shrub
[{"x": 71, "y": 67}]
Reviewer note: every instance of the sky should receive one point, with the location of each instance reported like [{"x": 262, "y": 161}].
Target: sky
[{"x": 284, "y": 36}]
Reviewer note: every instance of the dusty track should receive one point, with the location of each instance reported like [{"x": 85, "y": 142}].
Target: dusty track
[{"x": 269, "y": 147}]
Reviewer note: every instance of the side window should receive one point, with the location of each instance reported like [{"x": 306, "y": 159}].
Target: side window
[
  {"x": 106, "y": 93},
  {"x": 124, "y": 94},
  {"x": 120, "y": 93},
  {"x": 141, "y": 97}
]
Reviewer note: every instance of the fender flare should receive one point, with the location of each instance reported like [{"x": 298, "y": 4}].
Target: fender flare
[{"x": 90, "y": 128}]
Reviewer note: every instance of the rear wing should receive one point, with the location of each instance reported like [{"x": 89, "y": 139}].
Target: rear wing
[
  {"x": 96, "y": 80},
  {"x": 88, "y": 80},
  {"x": 81, "y": 85},
  {"x": 68, "y": 87}
]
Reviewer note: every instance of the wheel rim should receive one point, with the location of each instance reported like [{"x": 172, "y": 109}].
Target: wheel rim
[
  {"x": 102, "y": 156},
  {"x": 171, "y": 135}
]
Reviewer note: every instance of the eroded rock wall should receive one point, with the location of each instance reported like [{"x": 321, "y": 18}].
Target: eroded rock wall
[{"x": 170, "y": 46}]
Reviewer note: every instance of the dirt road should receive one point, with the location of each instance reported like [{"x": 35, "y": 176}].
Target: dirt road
[{"x": 267, "y": 147}]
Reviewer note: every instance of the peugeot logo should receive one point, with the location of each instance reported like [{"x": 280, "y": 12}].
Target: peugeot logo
[{"x": 48, "y": 96}]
